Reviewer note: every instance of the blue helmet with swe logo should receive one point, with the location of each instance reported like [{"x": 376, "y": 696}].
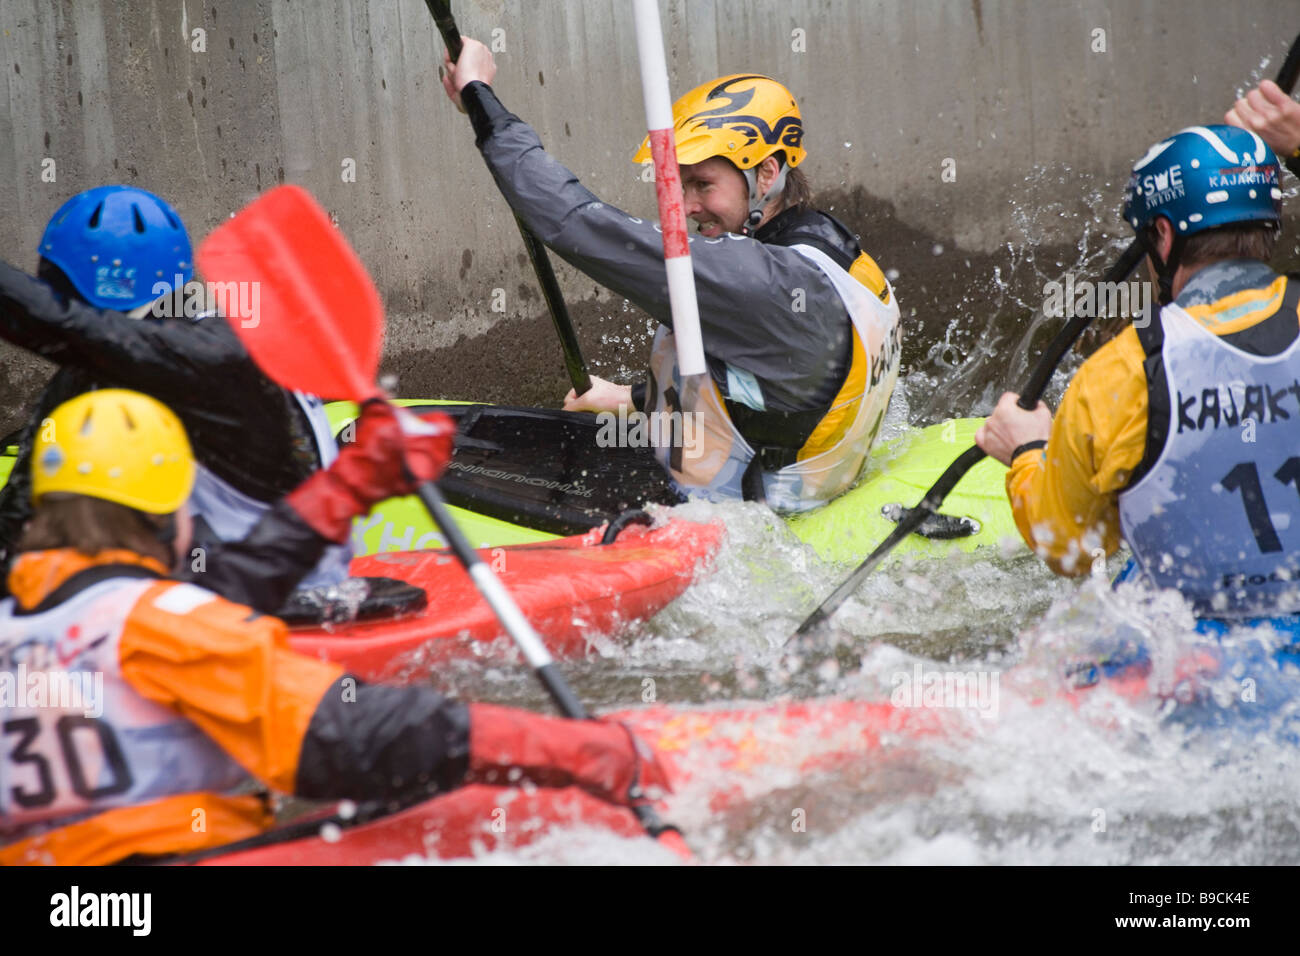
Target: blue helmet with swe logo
[
  {"x": 1203, "y": 177},
  {"x": 119, "y": 246}
]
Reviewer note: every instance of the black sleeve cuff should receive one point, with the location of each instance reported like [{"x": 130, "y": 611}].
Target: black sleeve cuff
[
  {"x": 371, "y": 742},
  {"x": 638, "y": 396},
  {"x": 484, "y": 109},
  {"x": 263, "y": 568},
  {"x": 1028, "y": 446}
]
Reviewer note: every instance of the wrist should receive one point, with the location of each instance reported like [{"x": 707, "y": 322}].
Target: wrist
[
  {"x": 327, "y": 505},
  {"x": 1028, "y": 446},
  {"x": 483, "y": 109}
]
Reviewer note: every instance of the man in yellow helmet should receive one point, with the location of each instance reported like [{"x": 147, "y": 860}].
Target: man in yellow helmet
[
  {"x": 192, "y": 697},
  {"x": 800, "y": 327}
]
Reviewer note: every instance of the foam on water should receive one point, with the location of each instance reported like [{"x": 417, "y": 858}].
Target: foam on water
[
  {"x": 1190, "y": 773},
  {"x": 569, "y": 846},
  {"x": 1170, "y": 777}
]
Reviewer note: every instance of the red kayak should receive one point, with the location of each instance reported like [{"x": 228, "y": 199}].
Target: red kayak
[
  {"x": 569, "y": 589},
  {"x": 717, "y": 758},
  {"x": 721, "y": 753},
  {"x": 474, "y": 819}
]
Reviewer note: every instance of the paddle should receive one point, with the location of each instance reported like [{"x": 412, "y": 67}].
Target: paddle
[
  {"x": 1029, "y": 398},
  {"x": 323, "y": 334},
  {"x": 668, "y": 188},
  {"x": 446, "y": 24}
]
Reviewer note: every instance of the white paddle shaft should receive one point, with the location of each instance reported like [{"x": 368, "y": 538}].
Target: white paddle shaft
[{"x": 668, "y": 188}]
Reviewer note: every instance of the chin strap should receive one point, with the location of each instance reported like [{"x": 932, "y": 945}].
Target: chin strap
[
  {"x": 1165, "y": 268},
  {"x": 758, "y": 203}
]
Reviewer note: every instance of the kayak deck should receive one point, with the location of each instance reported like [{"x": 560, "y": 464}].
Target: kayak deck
[
  {"x": 522, "y": 474},
  {"x": 568, "y": 589}
]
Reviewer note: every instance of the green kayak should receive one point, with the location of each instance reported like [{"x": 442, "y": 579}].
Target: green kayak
[
  {"x": 527, "y": 474},
  {"x": 521, "y": 475}
]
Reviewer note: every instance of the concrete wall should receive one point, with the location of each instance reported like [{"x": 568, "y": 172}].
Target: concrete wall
[{"x": 1040, "y": 127}]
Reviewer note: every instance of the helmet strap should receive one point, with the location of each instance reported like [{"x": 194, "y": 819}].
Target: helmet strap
[
  {"x": 758, "y": 203},
  {"x": 58, "y": 282},
  {"x": 1165, "y": 268}
]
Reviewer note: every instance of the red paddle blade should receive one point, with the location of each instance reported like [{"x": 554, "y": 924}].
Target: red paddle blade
[{"x": 308, "y": 312}]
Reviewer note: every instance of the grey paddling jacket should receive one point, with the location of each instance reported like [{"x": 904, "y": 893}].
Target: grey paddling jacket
[{"x": 764, "y": 308}]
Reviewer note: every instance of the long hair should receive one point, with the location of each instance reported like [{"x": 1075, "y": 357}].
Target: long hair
[
  {"x": 92, "y": 525},
  {"x": 797, "y": 192}
]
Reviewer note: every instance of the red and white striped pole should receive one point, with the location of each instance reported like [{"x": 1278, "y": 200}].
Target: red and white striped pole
[{"x": 668, "y": 188}]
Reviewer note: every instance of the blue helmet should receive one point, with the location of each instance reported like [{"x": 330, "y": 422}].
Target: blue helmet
[
  {"x": 1203, "y": 177},
  {"x": 119, "y": 246}
]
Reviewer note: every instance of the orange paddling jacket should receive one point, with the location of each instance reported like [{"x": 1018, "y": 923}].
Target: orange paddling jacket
[{"x": 144, "y": 716}]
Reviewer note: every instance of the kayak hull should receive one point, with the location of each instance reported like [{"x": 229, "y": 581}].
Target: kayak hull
[
  {"x": 526, "y": 475},
  {"x": 698, "y": 748},
  {"x": 569, "y": 589},
  {"x": 470, "y": 821}
]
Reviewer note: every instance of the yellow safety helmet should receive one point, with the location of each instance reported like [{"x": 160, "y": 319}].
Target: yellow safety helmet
[
  {"x": 744, "y": 117},
  {"x": 117, "y": 445}
]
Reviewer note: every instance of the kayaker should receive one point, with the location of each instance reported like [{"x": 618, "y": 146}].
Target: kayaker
[
  {"x": 800, "y": 327},
  {"x": 111, "y": 260},
  {"x": 1181, "y": 434},
  {"x": 1268, "y": 111},
  {"x": 175, "y": 701}
]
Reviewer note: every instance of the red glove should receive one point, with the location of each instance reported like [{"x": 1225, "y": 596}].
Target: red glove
[
  {"x": 370, "y": 469},
  {"x": 602, "y": 758}
]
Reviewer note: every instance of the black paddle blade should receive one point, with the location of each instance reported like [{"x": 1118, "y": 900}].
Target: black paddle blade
[
  {"x": 936, "y": 527},
  {"x": 1290, "y": 71},
  {"x": 913, "y": 521},
  {"x": 552, "y": 471},
  {"x": 446, "y": 24}
]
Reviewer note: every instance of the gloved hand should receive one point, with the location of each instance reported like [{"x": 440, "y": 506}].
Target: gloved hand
[
  {"x": 371, "y": 468},
  {"x": 604, "y": 759}
]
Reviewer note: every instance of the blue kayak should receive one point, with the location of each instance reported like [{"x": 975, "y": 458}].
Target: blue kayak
[
  {"x": 1245, "y": 680},
  {"x": 1283, "y": 624}
]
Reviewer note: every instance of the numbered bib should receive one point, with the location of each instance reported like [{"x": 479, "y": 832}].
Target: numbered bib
[
  {"x": 75, "y": 737},
  {"x": 1218, "y": 514}
]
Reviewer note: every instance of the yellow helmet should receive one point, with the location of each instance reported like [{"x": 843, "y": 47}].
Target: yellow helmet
[
  {"x": 743, "y": 117},
  {"x": 117, "y": 445}
]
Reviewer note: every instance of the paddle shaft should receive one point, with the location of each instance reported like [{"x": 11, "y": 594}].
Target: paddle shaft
[
  {"x": 502, "y": 604},
  {"x": 280, "y": 241},
  {"x": 668, "y": 189},
  {"x": 507, "y": 611},
  {"x": 1290, "y": 71},
  {"x": 934, "y": 498},
  {"x": 577, "y": 368},
  {"x": 1030, "y": 396}
]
